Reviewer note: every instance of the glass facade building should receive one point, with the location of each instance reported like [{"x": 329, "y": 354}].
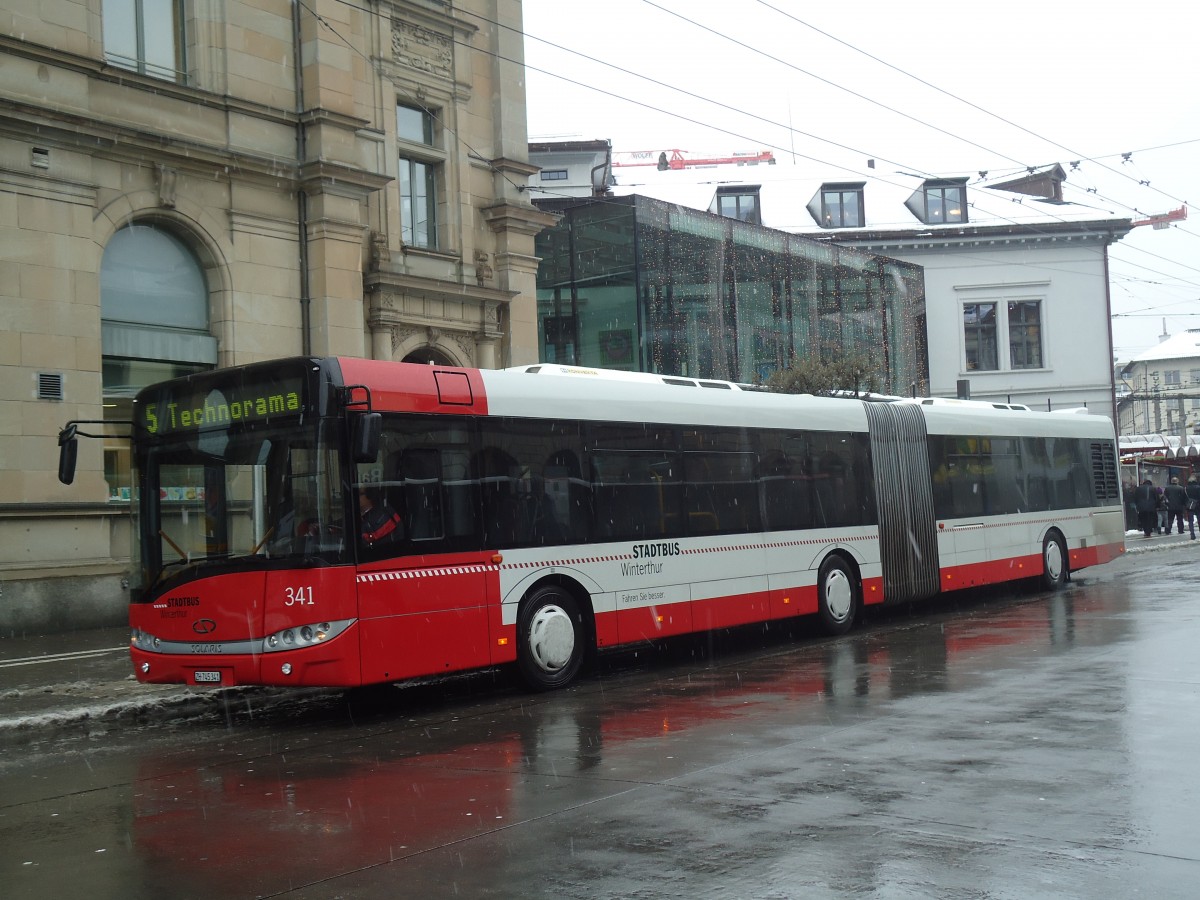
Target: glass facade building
[{"x": 640, "y": 284}]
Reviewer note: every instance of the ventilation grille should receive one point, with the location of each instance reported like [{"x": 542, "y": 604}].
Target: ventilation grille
[
  {"x": 50, "y": 386},
  {"x": 1105, "y": 475}
]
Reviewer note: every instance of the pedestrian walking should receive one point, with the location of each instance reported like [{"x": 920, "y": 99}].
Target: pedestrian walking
[
  {"x": 1145, "y": 498},
  {"x": 1177, "y": 501},
  {"x": 1193, "y": 504},
  {"x": 1128, "y": 489}
]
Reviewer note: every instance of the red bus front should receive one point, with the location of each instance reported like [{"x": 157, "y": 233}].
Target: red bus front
[
  {"x": 244, "y": 570},
  {"x": 254, "y": 559}
]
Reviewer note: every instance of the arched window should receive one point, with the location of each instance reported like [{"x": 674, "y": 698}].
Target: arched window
[{"x": 153, "y": 324}]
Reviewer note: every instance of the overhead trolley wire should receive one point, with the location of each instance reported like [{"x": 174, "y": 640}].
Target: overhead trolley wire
[
  {"x": 963, "y": 100},
  {"x": 551, "y": 193}
]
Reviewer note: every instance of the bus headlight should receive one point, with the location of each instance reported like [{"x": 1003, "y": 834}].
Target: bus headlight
[
  {"x": 144, "y": 640},
  {"x": 298, "y": 637}
]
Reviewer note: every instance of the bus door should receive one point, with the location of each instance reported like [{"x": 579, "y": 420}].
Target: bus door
[
  {"x": 423, "y": 581},
  {"x": 908, "y": 545},
  {"x": 423, "y": 616}
]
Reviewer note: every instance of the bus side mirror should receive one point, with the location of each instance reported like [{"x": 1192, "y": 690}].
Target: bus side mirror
[
  {"x": 367, "y": 429},
  {"x": 68, "y": 452}
]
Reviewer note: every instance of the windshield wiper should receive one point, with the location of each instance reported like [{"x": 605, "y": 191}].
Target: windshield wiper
[{"x": 162, "y": 573}]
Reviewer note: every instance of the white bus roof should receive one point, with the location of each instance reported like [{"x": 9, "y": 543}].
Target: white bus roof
[
  {"x": 617, "y": 396},
  {"x": 621, "y": 396}
]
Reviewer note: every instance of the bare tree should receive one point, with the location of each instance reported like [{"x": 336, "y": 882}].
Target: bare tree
[{"x": 824, "y": 375}]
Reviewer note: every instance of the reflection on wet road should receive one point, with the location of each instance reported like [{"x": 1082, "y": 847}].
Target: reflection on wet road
[{"x": 1038, "y": 746}]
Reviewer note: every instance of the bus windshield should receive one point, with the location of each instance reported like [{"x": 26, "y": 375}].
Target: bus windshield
[{"x": 222, "y": 498}]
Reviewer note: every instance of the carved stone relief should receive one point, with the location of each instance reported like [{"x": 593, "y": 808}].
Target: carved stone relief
[
  {"x": 483, "y": 271},
  {"x": 400, "y": 334},
  {"x": 422, "y": 49},
  {"x": 379, "y": 248},
  {"x": 491, "y": 317},
  {"x": 167, "y": 178},
  {"x": 466, "y": 344}
]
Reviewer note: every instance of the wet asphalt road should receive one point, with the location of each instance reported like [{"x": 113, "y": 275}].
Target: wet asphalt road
[{"x": 1001, "y": 745}]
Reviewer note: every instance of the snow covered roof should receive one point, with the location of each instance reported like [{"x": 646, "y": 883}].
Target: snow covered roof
[
  {"x": 787, "y": 194},
  {"x": 1169, "y": 446},
  {"x": 1185, "y": 345}
]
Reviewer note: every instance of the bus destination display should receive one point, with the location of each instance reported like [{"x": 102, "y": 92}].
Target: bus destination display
[{"x": 176, "y": 411}]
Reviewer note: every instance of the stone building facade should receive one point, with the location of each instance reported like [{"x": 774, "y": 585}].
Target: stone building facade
[{"x": 187, "y": 184}]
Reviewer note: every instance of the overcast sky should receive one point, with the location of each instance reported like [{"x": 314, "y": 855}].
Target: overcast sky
[{"x": 1036, "y": 83}]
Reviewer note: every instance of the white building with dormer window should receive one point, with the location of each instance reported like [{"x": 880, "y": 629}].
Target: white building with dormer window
[
  {"x": 1161, "y": 388},
  {"x": 1016, "y": 278}
]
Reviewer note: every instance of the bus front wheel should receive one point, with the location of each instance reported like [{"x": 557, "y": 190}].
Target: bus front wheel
[
  {"x": 1054, "y": 562},
  {"x": 837, "y": 596},
  {"x": 551, "y": 637}
]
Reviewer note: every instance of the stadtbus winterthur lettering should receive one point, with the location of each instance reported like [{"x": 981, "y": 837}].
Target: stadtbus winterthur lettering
[{"x": 173, "y": 416}]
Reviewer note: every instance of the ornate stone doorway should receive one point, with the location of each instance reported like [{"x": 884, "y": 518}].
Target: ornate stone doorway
[{"x": 429, "y": 356}]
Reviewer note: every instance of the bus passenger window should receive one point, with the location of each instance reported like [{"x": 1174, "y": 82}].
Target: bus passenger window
[
  {"x": 420, "y": 473},
  {"x": 719, "y": 496},
  {"x": 424, "y": 473},
  {"x": 533, "y": 494},
  {"x": 636, "y": 494}
]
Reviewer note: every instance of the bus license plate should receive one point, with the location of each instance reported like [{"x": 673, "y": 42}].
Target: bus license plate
[{"x": 208, "y": 678}]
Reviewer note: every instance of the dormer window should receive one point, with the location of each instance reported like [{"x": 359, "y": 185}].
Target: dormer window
[
  {"x": 839, "y": 206},
  {"x": 941, "y": 201},
  {"x": 738, "y": 202}
]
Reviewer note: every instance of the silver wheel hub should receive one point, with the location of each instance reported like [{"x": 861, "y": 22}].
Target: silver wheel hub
[
  {"x": 1054, "y": 560},
  {"x": 839, "y": 595},
  {"x": 551, "y": 638}
]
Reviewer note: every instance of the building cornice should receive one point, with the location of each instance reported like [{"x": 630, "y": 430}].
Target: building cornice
[
  {"x": 438, "y": 15},
  {"x": 323, "y": 176},
  {"x": 129, "y": 141},
  {"x": 383, "y": 280},
  {"x": 514, "y": 166},
  {"x": 88, "y": 134},
  {"x": 879, "y": 241},
  {"x": 137, "y": 83},
  {"x": 522, "y": 219}
]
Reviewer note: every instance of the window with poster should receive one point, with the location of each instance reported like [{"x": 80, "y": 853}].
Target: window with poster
[{"x": 616, "y": 348}]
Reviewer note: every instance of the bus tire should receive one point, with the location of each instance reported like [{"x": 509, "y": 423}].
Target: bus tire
[
  {"x": 551, "y": 638},
  {"x": 837, "y": 596},
  {"x": 1055, "y": 568}
]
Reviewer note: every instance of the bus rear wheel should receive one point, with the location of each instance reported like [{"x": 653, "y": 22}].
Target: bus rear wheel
[
  {"x": 551, "y": 639},
  {"x": 1054, "y": 562},
  {"x": 837, "y": 596}
]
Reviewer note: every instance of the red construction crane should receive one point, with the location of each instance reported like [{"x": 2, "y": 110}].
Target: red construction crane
[
  {"x": 1162, "y": 220},
  {"x": 678, "y": 159}
]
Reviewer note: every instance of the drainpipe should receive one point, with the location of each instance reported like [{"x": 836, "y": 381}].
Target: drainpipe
[
  {"x": 301, "y": 197},
  {"x": 1112, "y": 374},
  {"x": 604, "y": 186},
  {"x": 602, "y": 190}
]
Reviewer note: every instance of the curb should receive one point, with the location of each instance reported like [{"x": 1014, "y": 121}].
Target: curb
[{"x": 1136, "y": 545}]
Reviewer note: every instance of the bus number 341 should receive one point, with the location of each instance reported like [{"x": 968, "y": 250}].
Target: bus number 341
[{"x": 298, "y": 596}]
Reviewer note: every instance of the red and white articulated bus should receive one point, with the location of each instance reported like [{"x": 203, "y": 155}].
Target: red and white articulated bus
[{"x": 539, "y": 514}]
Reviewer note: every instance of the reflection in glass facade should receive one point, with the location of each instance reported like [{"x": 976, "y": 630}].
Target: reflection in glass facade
[{"x": 639, "y": 284}]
